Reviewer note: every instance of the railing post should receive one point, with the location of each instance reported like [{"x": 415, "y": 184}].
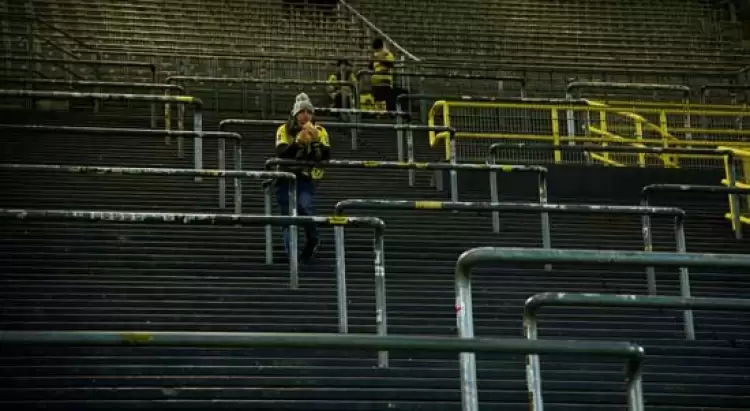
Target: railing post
[
  {"x": 293, "y": 235},
  {"x": 494, "y": 196},
  {"x": 648, "y": 247},
  {"x": 267, "y": 210},
  {"x": 734, "y": 200},
  {"x": 556, "y": 135},
  {"x": 684, "y": 277},
  {"x": 546, "y": 228},
  {"x": 453, "y": 172},
  {"x": 533, "y": 369},
  {"x": 381, "y": 313},
  {"x": 465, "y": 321},
  {"x": 198, "y": 140},
  {"x": 341, "y": 292},
  {"x": 222, "y": 166}
]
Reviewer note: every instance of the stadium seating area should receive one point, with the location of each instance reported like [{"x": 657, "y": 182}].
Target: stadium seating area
[{"x": 110, "y": 271}]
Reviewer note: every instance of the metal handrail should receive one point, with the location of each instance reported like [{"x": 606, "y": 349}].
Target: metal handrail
[
  {"x": 380, "y": 33},
  {"x": 376, "y": 224},
  {"x": 586, "y": 148},
  {"x": 687, "y": 188},
  {"x": 366, "y": 126},
  {"x": 246, "y": 80},
  {"x": 114, "y": 84},
  {"x": 645, "y": 211},
  {"x": 577, "y": 85},
  {"x": 497, "y": 256},
  {"x": 238, "y": 174},
  {"x": 537, "y": 301},
  {"x": 634, "y": 353},
  {"x": 64, "y": 95}
]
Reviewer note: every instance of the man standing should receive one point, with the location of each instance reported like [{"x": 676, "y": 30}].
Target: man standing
[
  {"x": 301, "y": 139},
  {"x": 381, "y": 64}
]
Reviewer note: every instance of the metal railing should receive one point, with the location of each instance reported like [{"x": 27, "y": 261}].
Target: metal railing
[
  {"x": 366, "y": 126},
  {"x": 243, "y": 80},
  {"x": 237, "y": 176},
  {"x": 706, "y": 90},
  {"x": 498, "y": 256},
  {"x": 106, "y": 84},
  {"x": 387, "y": 39},
  {"x": 634, "y": 353},
  {"x": 586, "y": 149},
  {"x": 545, "y": 209},
  {"x": 376, "y": 224},
  {"x": 573, "y": 86},
  {"x": 636, "y": 125},
  {"x": 64, "y": 95},
  {"x": 167, "y": 134},
  {"x": 734, "y": 214},
  {"x": 96, "y": 64},
  {"x": 535, "y": 302}
]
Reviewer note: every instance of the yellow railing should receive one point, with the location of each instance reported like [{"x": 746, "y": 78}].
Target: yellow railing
[
  {"x": 742, "y": 180},
  {"x": 614, "y": 123}
]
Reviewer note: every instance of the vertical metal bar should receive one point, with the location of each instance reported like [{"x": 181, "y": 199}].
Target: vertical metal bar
[
  {"x": 465, "y": 323},
  {"x": 167, "y": 121},
  {"x": 381, "y": 313},
  {"x": 556, "y": 135},
  {"x": 494, "y": 196},
  {"x": 343, "y": 300},
  {"x": 648, "y": 246},
  {"x": 198, "y": 140},
  {"x": 293, "y": 233},
  {"x": 453, "y": 172},
  {"x": 410, "y": 154},
  {"x": 533, "y": 369},
  {"x": 399, "y": 139},
  {"x": 181, "y": 117},
  {"x": 639, "y": 138},
  {"x": 635, "y": 385},
  {"x": 734, "y": 200},
  {"x": 546, "y": 234},
  {"x": 153, "y": 112},
  {"x": 238, "y": 180},
  {"x": 268, "y": 229},
  {"x": 222, "y": 179},
  {"x": 684, "y": 277}
]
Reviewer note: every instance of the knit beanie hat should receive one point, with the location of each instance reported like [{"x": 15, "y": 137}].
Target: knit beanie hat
[{"x": 302, "y": 102}]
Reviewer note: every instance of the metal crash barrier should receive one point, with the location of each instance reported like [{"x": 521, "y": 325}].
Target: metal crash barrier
[
  {"x": 65, "y": 95},
  {"x": 242, "y": 80},
  {"x": 734, "y": 214},
  {"x": 100, "y": 84},
  {"x": 634, "y": 353},
  {"x": 376, "y": 224},
  {"x": 498, "y": 256},
  {"x": 538, "y": 301},
  {"x": 574, "y": 86},
  {"x": 453, "y": 167},
  {"x": 535, "y": 302},
  {"x": 237, "y": 175},
  {"x": 586, "y": 149},
  {"x": 108, "y": 131},
  {"x": 678, "y": 214},
  {"x": 152, "y": 68},
  {"x": 663, "y": 125}
]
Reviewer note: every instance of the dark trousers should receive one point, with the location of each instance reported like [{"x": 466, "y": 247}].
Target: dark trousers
[
  {"x": 305, "y": 195},
  {"x": 384, "y": 93}
]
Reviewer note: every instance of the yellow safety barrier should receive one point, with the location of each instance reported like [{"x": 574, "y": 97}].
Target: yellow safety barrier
[
  {"x": 738, "y": 181},
  {"x": 636, "y": 124}
]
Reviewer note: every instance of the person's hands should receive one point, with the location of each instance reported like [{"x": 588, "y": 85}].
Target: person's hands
[{"x": 311, "y": 132}]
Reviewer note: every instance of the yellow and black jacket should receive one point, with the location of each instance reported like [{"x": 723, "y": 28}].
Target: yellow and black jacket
[
  {"x": 334, "y": 77},
  {"x": 382, "y": 65},
  {"x": 289, "y": 147}
]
